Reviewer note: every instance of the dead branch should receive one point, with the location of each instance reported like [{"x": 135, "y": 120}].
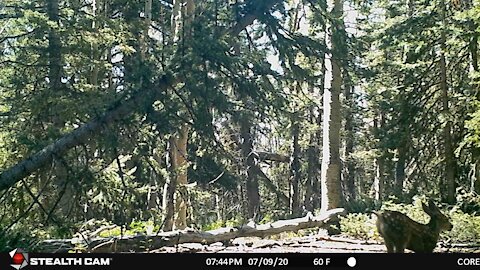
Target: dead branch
[{"x": 142, "y": 243}]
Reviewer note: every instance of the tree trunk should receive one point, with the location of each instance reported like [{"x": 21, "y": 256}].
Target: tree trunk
[
  {"x": 332, "y": 196},
  {"x": 144, "y": 36},
  {"x": 315, "y": 162},
  {"x": 176, "y": 19},
  {"x": 295, "y": 175},
  {"x": 253, "y": 194},
  {"x": 152, "y": 195},
  {"x": 313, "y": 166},
  {"x": 170, "y": 207},
  {"x": 178, "y": 149},
  {"x": 175, "y": 190},
  {"x": 56, "y": 93},
  {"x": 474, "y": 50},
  {"x": 400, "y": 169},
  {"x": 476, "y": 181},
  {"x": 181, "y": 166},
  {"x": 349, "y": 178},
  {"x": 54, "y": 49},
  {"x": 403, "y": 137},
  {"x": 258, "y": 171},
  {"x": 168, "y": 202},
  {"x": 475, "y": 185},
  {"x": 449, "y": 173},
  {"x": 94, "y": 46},
  {"x": 154, "y": 188},
  {"x": 473, "y": 27},
  {"x": 379, "y": 182}
]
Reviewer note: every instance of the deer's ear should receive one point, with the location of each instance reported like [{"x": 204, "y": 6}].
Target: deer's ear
[
  {"x": 426, "y": 208},
  {"x": 432, "y": 206}
]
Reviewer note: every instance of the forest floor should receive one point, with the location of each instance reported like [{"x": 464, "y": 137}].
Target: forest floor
[{"x": 304, "y": 244}]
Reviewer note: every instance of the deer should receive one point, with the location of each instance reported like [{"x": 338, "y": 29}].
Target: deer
[{"x": 400, "y": 232}]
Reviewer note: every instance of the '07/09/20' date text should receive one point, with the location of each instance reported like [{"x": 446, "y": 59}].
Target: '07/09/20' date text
[{"x": 261, "y": 261}]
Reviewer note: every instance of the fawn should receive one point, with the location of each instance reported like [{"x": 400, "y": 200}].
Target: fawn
[{"x": 401, "y": 232}]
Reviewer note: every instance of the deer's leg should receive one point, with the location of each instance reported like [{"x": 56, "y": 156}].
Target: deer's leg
[
  {"x": 389, "y": 245},
  {"x": 400, "y": 247}
]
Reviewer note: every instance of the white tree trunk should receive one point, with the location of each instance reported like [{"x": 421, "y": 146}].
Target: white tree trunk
[{"x": 332, "y": 196}]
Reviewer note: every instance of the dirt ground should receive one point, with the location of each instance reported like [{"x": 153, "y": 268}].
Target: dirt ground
[{"x": 305, "y": 244}]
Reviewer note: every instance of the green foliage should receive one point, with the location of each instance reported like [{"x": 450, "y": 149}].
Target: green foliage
[
  {"x": 115, "y": 232},
  {"x": 288, "y": 235},
  {"x": 360, "y": 226},
  {"x": 267, "y": 218},
  {"x": 220, "y": 223},
  {"x": 134, "y": 228},
  {"x": 17, "y": 238},
  {"x": 214, "y": 225},
  {"x": 145, "y": 227},
  {"x": 360, "y": 205},
  {"x": 473, "y": 125},
  {"x": 466, "y": 227}
]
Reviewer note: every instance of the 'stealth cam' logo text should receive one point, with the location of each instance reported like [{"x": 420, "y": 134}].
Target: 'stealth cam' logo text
[
  {"x": 70, "y": 261},
  {"x": 19, "y": 258}
]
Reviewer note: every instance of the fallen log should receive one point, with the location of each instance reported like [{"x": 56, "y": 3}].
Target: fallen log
[{"x": 143, "y": 243}]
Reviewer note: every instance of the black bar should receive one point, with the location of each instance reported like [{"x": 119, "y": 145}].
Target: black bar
[{"x": 305, "y": 261}]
